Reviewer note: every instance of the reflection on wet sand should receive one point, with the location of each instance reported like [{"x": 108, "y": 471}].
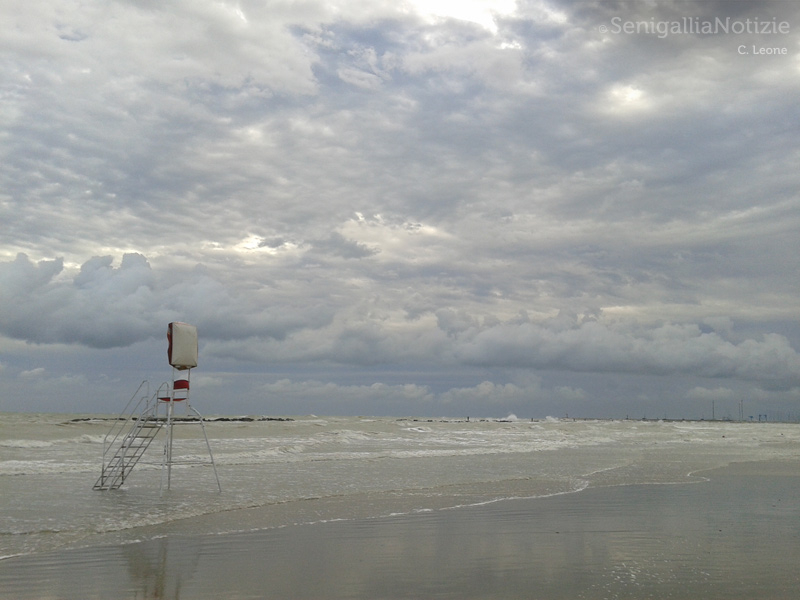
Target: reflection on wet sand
[
  {"x": 154, "y": 573},
  {"x": 733, "y": 536}
]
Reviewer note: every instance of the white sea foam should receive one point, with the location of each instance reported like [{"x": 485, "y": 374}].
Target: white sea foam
[{"x": 24, "y": 444}]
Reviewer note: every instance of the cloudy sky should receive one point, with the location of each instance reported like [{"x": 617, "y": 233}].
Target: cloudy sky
[{"x": 429, "y": 208}]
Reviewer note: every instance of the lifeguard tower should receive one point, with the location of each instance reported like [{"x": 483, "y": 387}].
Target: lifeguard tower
[{"x": 145, "y": 416}]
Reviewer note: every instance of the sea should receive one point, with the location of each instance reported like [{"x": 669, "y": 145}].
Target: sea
[{"x": 308, "y": 475}]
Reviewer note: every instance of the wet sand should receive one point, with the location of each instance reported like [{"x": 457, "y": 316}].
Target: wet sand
[{"x": 734, "y": 535}]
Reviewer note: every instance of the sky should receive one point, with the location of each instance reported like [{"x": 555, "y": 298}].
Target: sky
[{"x": 421, "y": 208}]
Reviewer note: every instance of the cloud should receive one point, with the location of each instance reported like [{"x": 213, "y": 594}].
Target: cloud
[
  {"x": 319, "y": 389},
  {"x": 33, "y": 373},
  {"x": 497, "y": 187},
  {"x": 337, "y": 245},
  {"x": 106, "y": 307},
  {"x": 665, "y": 350},
  {"x": 330, "y": 398},
  {"x": 569, "y": 393},
  {"x": 702, "y": 393},
  {"x": 487, "y": 394},
  {"x": 485, "y": 398},
  {"x": 103, "y": 307}
]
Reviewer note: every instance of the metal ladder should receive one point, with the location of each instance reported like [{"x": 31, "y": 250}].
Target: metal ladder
[
  {"x": 128, "y": 440},
  {"x": 137, "y": 427}
]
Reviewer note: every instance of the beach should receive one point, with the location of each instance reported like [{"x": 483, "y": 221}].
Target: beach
[
  {"x": 623, "y": 510},
  {"x": 734, "y": 535}
]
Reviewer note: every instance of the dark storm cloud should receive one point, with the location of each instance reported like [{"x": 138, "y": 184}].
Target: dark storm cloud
[{"x": 106, "y": 307}]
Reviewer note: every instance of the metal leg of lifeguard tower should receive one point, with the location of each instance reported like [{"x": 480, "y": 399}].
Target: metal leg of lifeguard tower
[
  {"x": 180, "y": 393},
  {"x": 137, "y": 427}
]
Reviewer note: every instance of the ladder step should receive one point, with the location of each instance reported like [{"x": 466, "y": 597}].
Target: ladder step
[{"x": 133, "y": 440}]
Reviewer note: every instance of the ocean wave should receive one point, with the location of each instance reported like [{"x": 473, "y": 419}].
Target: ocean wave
[
  {"x": 30, "y": 443},
  {"x": 25, "y": 444}
]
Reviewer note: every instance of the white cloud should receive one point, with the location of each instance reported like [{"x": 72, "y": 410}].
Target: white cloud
[
  {"x": 33, "y": 373},
  {"x": 487, "y": 394},
  {"x": 481, "y": 12},
  {"x": 702, "y": 393},
  {"x": 569, "y": 393}
]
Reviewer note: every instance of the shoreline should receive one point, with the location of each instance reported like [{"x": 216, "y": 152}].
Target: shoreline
[
  {"x": 638, "y": 520},
  {"x": 301, "y": 512}
]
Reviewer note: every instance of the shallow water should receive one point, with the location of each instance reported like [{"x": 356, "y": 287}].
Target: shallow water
[{"x": 309, "y": 470}]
